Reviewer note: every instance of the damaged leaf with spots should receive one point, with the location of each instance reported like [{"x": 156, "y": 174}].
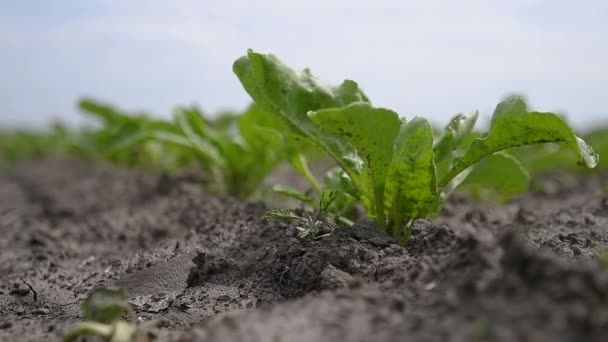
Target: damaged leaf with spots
[
  {"x": 512, "y": 126},
  {"x": 411, "y": 187},
  {"x": 371, "y": 131}
]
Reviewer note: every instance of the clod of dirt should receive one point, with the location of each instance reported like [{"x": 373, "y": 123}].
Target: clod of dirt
[
  {"x": 333, "y": 278},
  {"x": 207, "y": 265}
]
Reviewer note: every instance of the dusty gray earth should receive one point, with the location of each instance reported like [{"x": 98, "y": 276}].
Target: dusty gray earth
[{"x": 199, "y": 267}]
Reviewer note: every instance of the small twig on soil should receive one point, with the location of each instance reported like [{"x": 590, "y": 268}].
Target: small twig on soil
[
  {"x": 70, "y": 303},
  {"x": 180, "y": 308},
  {"x": 31, "y": 289}
]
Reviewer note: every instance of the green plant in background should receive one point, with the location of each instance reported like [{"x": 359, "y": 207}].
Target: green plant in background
[
  {"x": 390, "y": 164},
  {"x": 22, "y": 144},
  {"x": 230, "y": 150},
  {"x": 102, "y": 310},
  {"x": 600, "y": 254},
  {"x": 134, "y": 139},
  {"x": 240, "y": 160}
]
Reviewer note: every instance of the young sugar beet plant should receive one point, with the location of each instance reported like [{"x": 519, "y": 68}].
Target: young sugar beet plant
[
  {"x": 393, "y": 166},
  {"x": 102, "y": 309},
  {"x": 234, "y": 152}
]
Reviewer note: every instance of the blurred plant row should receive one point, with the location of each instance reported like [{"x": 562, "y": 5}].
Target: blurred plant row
[
  {"x": 397, "y": 170},
  {"x": 233, "y": 150}
]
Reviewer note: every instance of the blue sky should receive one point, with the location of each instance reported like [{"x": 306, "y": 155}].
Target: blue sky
[{"x": 430, "y": 58}]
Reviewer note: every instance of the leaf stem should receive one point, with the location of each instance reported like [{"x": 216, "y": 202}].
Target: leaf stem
[
  {"x": 345, "y": 221},
  {"x": 89, "y": 328},
  {"x": 301, "y": 164}
]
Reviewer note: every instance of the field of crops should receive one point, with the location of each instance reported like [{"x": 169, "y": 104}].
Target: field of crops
[{"x": 313, "y": 215}]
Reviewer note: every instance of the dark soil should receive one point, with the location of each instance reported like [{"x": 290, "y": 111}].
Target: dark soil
[{"x": 206, "y": 268}]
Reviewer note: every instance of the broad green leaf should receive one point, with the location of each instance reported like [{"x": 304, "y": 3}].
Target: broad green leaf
[
  {"x": 513, "y": 125},
  {"x": 103, "y": 111},
  {"x": 105, "y": 305},
  {"x": 257, "y": 127},
  {"x": 300, "y": 163},
  {"x": 372, "y": 132},
  {"x": 191, "y": 122},
  {"x": 290, "y": 95},
  {"x": 248, "y": 153},
  {"x": 411, "y": 189},
  {"x": 537, "y": 159},
  {"x": 193, "y": 128},
  {"x": 226, "y": 121},
  {"x": 256, "y": 123},
  {"x": 120, "y": 129},
  {"x": 458, "y": 128},
  {"x": 171, "y": 138},
  {"x": 176, "y": 146},
  {"x": 265, "y": 131},
  {"x": 540, "y": 158},
  {"x": 454, "y": 134},
  {"x": 497, "y": 177}
]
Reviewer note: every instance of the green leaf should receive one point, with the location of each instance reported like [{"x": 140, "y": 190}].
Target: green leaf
[
  {"x": 89, "y": 329},
  {"x": 265, "y": 131},
  {"x": 259, "y": 129},
  {"x": 105, "y": 305},
  {"x": 337, "y": 179},
  {"x": 225, "y": 121},
  {"x": 105, "y": 112},
  {"x": 455, "y": 133},
  {"x": 249, "y": 152},
  {"x": 411, "y": 189},
  {"x": 372, "y": 132},
  {"x": 290, "y": 95},
  {"x": 172, "y": 139},
  {"x": 119, "y": 331},
  {"x": 512, "y": 126},
  {"x": 193, "y": 127},
  {"x": 497, "y": 177}
]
